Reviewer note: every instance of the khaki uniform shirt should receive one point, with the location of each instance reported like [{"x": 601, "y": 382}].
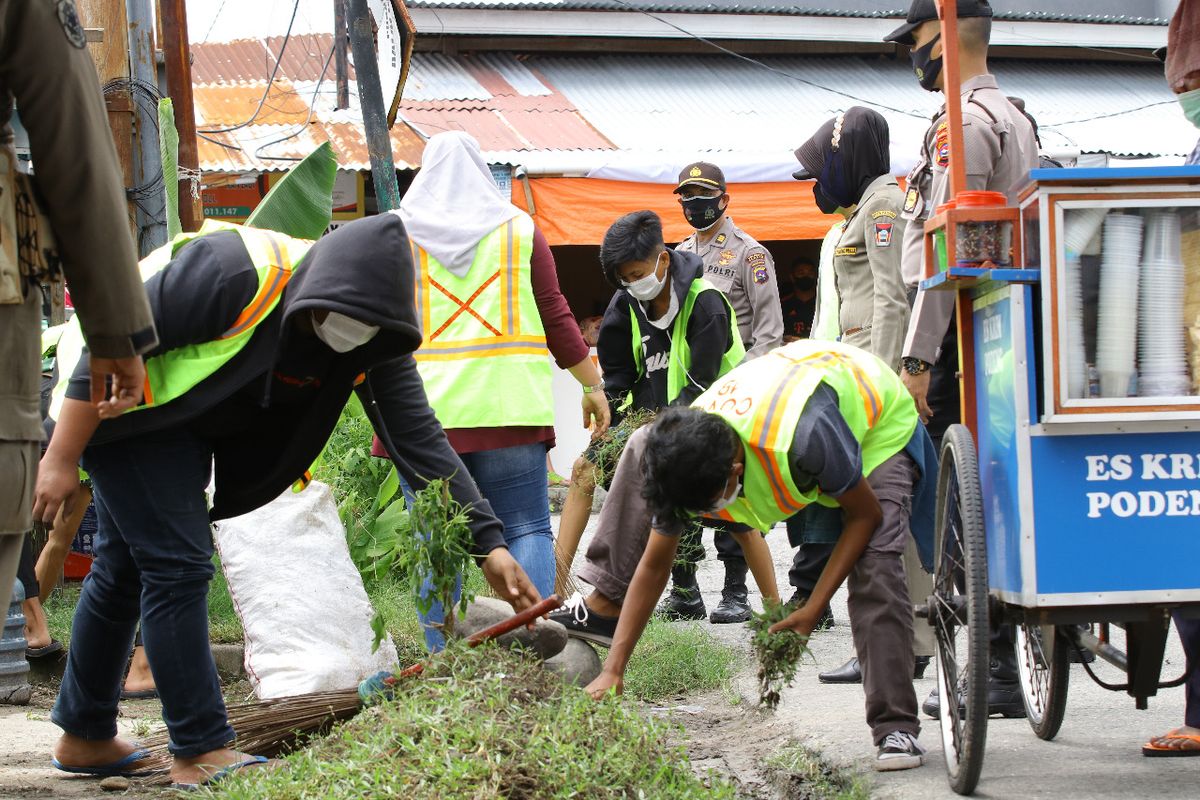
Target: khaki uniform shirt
[
  {"x": 1001, "y": 150},
  {"x": 866, "y": 265},
  {"x": 46, "y": 69},
  {"x": 744, "y": 270}
]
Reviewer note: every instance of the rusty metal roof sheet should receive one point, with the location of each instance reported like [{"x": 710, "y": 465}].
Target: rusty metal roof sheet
[{"x": 497, "y": 98}]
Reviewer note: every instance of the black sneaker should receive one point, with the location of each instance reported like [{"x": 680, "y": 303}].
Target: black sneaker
[
  {"x": 583, "y": 623},
  {"x": 899, "y": 750},
  {"x": 734, "y": 607}
]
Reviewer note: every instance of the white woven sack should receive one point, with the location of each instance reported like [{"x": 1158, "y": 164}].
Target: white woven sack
[{"x": 305, "y": 612}]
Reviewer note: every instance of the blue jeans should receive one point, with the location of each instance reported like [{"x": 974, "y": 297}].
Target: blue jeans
[
  {"x": 513, "y": 480},
  {"x": 153, "y": 558}
]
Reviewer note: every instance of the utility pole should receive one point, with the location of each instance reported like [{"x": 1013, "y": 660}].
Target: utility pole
[
  {"x": 370, "y": 96},
  {"x": 147, "y": 161},
  {"x": 178, "y": 56},
  {"x": 340, "y": 45}
]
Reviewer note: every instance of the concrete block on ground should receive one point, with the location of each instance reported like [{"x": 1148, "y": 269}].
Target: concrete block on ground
[{"x": 547, "y": 639}]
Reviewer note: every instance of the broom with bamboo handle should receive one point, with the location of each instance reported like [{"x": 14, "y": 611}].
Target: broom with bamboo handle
[{"x": 271, "y": 727}]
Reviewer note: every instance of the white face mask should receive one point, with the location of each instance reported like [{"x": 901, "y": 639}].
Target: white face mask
[
  {"x": 343, "y": 333},
  {"x": 729, "y": 498},
  {"x": 647, "y": 288}
]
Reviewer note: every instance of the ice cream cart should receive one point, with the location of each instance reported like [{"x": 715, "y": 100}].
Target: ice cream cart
[{"x": 1069, "y": 502}]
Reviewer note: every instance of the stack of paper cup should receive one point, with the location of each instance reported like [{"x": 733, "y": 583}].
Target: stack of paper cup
[
  {"x": 1162, "y": 361},
  {"x": 1117, "y": 323},
  {"x": 1081, "y": 227}
]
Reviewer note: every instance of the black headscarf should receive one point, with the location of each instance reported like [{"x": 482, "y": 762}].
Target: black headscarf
[{"x": 862, "y": 155}]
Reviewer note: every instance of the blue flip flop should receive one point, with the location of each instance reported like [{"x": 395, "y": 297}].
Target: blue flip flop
[
  {"x": 220, "y": 775},
  {"x": 116, "y": 768}
]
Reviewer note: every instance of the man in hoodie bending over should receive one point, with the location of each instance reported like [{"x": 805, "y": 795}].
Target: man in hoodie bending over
[{"x": 262, "y": 338}]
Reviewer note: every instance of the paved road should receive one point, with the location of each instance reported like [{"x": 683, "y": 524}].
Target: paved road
[{"x": 1097, "y": 755}]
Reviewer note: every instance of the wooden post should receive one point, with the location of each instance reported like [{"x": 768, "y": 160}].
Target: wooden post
[
  {"x": 952, "y": 90},
  {"x": 110, "y": 53},
  {"x": 178, "y": 57},
  {"x": 374, "y": 111},
  {"x": 340, "y": 44}
]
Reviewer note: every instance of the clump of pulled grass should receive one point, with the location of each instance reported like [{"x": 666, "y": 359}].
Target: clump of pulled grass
[{"x": 778, "y": 654}]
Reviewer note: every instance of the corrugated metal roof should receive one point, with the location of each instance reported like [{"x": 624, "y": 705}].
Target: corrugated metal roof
[
  {"x": 1135, "y": 12},
  {"x": 495, "y": 97},
  {"x": 674, "y": 103}
]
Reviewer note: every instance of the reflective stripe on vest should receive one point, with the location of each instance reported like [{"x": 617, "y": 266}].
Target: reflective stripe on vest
[
  {"x": 484, "y": 360},
  {"x": 681, "y": 352},
  {"x": 172, "y": 374},
  {"x": 763, "y": 400}
]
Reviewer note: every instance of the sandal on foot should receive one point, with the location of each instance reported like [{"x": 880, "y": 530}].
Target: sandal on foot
[
  {"x": 1155, "y": 748},
  {"x": 33, "y": 653},
  {"x": 119, "y": 768},
  {"x": 220, "y": 774}
]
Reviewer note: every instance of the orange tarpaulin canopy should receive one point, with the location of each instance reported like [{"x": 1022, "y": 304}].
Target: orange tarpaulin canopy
[{"x": 579, "y": 210}]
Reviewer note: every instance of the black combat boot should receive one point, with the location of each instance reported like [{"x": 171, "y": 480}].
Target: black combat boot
[
  {"x": 735, "y": 603},
  {"x": 684, "y": 601}
]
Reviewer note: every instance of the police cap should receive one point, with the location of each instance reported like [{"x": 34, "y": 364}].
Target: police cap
[
  {"x": 702, "y": 174},
  {"x": 921, "y": 11}
]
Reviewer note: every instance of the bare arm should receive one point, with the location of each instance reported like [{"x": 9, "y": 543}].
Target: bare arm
[
  {"x": 861, "y": 516},
  {"x": 758, "y": 557},
  {"x": 58, "y": 474},
  {"x": 644, "y": 590},
  {"x": 596, "y": 413}
]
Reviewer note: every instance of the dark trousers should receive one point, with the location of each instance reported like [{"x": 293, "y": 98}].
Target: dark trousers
[
  {"x": 691, "y": 548},
  {"x": 153, "y": 559},
  {"x": 26, "y": 573},
  {"x": 1189, "y": 634}
]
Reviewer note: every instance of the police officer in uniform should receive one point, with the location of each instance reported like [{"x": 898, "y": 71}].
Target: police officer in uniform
[
  {"x": 46, "y": 71},
  {"x": 744, "y": 270},
  {"x": 1000, "y": 149}
]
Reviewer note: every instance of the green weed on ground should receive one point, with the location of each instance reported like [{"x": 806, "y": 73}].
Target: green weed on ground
[
  {"x": 486, "y": 723},
  {"x": 800, "y": 773},
  {"x": 673, "y": 659}
]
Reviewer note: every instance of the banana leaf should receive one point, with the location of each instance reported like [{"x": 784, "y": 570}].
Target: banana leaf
[
  {"x": 168, "y": 152},
  {"x": 301, "y": 204}
]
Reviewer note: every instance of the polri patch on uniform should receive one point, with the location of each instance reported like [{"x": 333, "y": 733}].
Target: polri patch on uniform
[
  {"x": 760, "y": 274},
  {"x": 758, "y": 263},
  {"x": 911, "y": 197},
  {"x": 883, "y": 234},
  {"x": 720, "y": 240},
  {"x": 68, "y": 17},
  {"x": 941, "y": 145}
]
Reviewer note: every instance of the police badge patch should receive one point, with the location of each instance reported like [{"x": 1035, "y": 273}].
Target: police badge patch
[
  {"x": 883, "y": 234},
  {"x": 757, "y": 262},
  {"x": 68, "y": 17},
  {"x": 941, "y": 145}
]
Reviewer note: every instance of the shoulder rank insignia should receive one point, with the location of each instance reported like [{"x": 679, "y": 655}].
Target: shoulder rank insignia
[{"x": 721, "y": 238}]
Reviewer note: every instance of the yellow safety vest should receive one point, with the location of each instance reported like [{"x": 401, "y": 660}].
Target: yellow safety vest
[
  {"x": 680, "y": 358},
  {"x": 172, "y": 374},
  {"x": 763, "y": 399},
  {"x": 484, "y": 360}
]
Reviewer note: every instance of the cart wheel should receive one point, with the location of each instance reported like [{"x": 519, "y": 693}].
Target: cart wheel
[
  {"x": 959, "y": 610},
  {"x": 1044, "y": 678}
]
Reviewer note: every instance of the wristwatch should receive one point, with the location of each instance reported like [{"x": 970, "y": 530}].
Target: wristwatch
[
  {"x": 597, "y": 387},
  {"x": 914, "y": 366}
]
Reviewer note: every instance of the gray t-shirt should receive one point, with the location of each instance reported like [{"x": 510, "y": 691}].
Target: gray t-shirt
[{"x": 824, "y": 454}]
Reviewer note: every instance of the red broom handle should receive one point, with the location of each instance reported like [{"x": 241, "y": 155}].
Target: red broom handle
[{"x": 499, "y": 629}]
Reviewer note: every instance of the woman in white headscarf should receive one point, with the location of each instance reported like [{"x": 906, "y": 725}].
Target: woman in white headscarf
[{"x": 492, "y": 314}]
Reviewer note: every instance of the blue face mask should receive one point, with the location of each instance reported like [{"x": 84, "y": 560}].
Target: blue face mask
[{"x": 1190, "y": 101}]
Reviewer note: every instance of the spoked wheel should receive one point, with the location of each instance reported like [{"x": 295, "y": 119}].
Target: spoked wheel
[
  {"x": 959, "y": 610},
  {"x": 1045, "y": 674}
]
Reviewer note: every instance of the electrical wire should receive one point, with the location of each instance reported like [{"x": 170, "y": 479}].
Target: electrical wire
[
  {"x": 311, "y": 107},
  {"x": 145, "y": 97},
  {"x": 270, "y": 78},
  {"x": 865, "y": 101},
  {"x": 213, "y": 24}
]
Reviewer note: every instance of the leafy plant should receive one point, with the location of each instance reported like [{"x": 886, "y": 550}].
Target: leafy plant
[
  {"x": 611, "y": 445},
  {"x": 778, "y": 654},
  {"x": 301, "y": 203}
]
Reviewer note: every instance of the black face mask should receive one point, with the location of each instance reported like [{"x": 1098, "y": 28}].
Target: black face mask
[
  {"x": 926, "y": 68},
  {"x": 824, "y": 202},
  {"x": 702, "y": 212},
  {"x": 805, "y": 284}
]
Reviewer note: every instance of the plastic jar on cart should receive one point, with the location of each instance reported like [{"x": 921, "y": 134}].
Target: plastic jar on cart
[{"x": 982, "y": 241}]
